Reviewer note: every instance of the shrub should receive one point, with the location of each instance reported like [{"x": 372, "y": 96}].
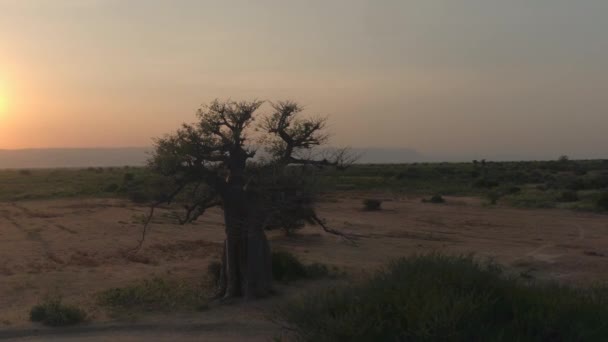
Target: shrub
[
  {"x": 54, "y": 313},
  {"x": 513, "y": 190},
  {"x": 570, "y": 182},
  {"x": 533, "y": 198},
  {"x": 286, "y": 267},
  {"x": 317, "y": 270},
  {"x": 437, "y": 199},
  {"x": 485, "y": 183},
  {"x": 568, "y": 196},
  {"x": 440, "y": 298},
  {"x": 113, "y": 187},
  {"x": 156, "y": 294},
  {"x": 25, "y": 172},
  {"x": 214, "y": 269},
  {"x": 128, "y": 177},
  {"x": 602, "y": 201},
  {"x": 372, "y": 204},
  {"x": 137, "y": 196},
  {"x": 493, "y": 197}
]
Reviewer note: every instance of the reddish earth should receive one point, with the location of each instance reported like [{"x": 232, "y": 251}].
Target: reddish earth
[{"x": 75, "y": 248}]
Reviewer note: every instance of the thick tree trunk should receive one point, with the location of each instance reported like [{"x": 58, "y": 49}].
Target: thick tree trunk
[
  {"x": 246, "y": 260},
  {"x": 258, "y": 271},
  {"x": 246, "y": 265}
]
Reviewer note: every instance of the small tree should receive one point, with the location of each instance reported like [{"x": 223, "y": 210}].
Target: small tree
[{"x": 211, "y": 163}]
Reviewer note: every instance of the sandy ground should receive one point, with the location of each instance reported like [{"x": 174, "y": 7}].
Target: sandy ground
[{"x": 75, "y": 248}]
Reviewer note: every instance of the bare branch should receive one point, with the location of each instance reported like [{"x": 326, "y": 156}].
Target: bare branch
[
  {"x": 197, "y": 209},
  {"x": 349, "y": 237}
]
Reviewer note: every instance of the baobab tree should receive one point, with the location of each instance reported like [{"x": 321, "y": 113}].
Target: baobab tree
[{"x": 213, "y": 163}]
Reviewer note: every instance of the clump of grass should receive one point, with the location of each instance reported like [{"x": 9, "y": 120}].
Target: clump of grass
[
  {"x": 493, "y": 197},
  {"x": 287, "y": 267},
  {"x": 214, "y": 270},
  {"x": 437, "y": 199},
  {"x": 440, "y": 298},
  {"x": 156, "y": 294},
  {"x": 532, "y": 198},
  {"x": 371, "y": 204},
  {"x": 112, "y": 187},
  {"x": 53, "y": 312},
  {"x": 602, "y": 201},
  {"x": 568, "y": 196},
  {"x": 138, "y": 196},
  {"x": 317, "y": 270},
  {"x": 128, "y": 177}
]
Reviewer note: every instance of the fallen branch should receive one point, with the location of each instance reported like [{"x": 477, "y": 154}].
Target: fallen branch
[{"x": 349, "y": 237}]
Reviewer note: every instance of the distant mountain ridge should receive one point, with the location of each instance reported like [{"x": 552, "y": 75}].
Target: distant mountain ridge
[
  {"x": 137, "y": 156},
  {"x": 73, "y": 157}
]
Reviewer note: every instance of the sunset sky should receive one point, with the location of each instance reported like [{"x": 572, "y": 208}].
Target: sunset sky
[{"x": 438, "y": 76}]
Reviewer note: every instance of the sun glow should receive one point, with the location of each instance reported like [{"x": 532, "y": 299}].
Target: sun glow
[
  {"x": 3, "y": 100},
  {"x": 2, "y": 104}
]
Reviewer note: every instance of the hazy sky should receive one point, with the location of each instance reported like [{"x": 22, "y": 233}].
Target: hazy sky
[{"x": 451, "y": 77}]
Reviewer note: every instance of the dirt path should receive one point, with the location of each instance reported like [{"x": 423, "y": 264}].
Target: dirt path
[
  {"x": 227, "y": 331},
  {"x": 74, "y": 248}
]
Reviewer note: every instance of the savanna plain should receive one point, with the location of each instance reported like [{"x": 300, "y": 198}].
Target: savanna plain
[{"x": 527, "y": 234}]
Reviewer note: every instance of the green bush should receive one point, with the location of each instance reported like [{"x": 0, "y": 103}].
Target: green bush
[
  {"x": 602, "y": 201},
  {"x": 370, "y": 204},
  {"x": 317, "y": 270},
  {"x": 156, "y": 294},
  {"x": 493, "y": 197},
  {"x": 113, "y": 187},
  {"x": 568, "y": 196},
  {"x": 485, "y": 183},
  {"x": 437, "y": 199},
  {"x": 287, "y": 267},
  {"x": 533, "y": 198},
  {"x": 54, "y": 313},
  {"x": 214, "y": 269},
  {"x": 440, "y": 298},
  {"x": 138, "y": 196}
]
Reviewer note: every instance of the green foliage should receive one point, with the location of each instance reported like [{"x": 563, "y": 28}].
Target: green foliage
[
  {"x": 371, "y": 204},
  {"x": 485, "y": 183},
  {"x": 61, "y": 183},
  {"x": 214, "y": 270},
  {"x": 285, "y": 195},
  {"x": 317, "y": 270},
  {"x": 602, "y": 201},
  {"x": 523, "y": 184},
  {"x": 568, "y": 196},
  {"x": 436, "y": 199},
  {"x": 113, "y": 187},
  {"x": 532, "y": 198},
  {"x": 287, "y": 267},
  {"x": 128, "y": 177},
  {"x": 493, "y": 197},
  {"x": 53, "y": 312},
  {"x": 440, "y": 298},
  {"x": 156, "y": 294}
]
